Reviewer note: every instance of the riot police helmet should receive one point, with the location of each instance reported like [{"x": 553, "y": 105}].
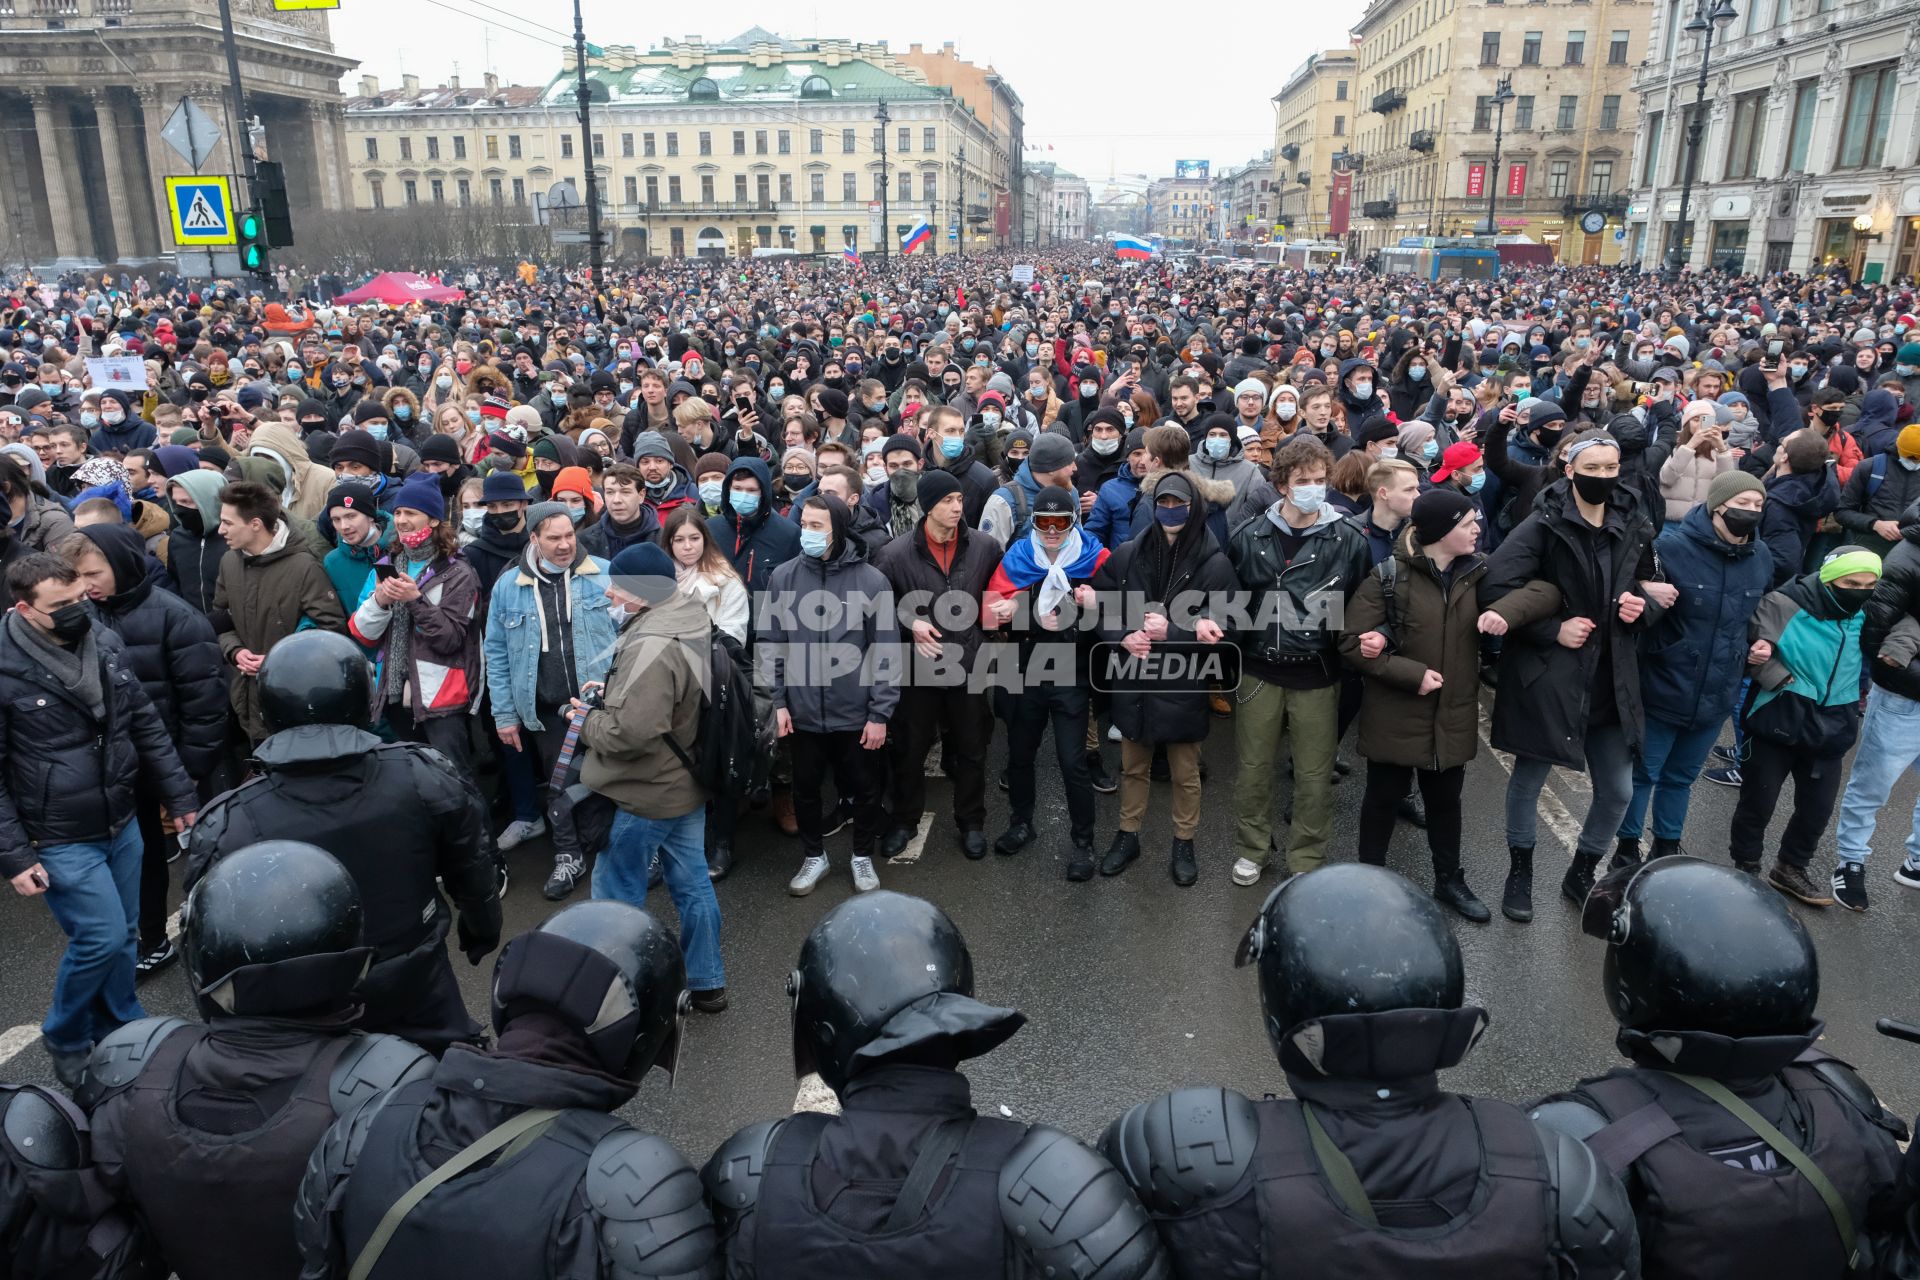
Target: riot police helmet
[{"x": 315, "y": 677}]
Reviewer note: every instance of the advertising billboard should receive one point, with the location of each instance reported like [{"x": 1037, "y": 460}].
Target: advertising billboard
[{"x": 1191, "y": 169}]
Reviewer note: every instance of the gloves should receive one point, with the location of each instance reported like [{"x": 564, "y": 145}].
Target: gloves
[{"x": 479, "y": 929}]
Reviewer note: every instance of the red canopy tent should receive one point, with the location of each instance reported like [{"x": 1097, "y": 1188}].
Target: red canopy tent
[{"x": 399, "y": 287}]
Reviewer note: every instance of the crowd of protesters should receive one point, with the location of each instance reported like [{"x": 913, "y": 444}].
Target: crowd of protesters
[{"x": 922, "y": 506}]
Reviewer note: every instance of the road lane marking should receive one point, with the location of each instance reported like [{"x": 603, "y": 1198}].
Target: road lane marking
[
  {"x": 14, "y": 1039},
  {"x": 1555, "y": 814},
  {"x": 916, "y": 846}
]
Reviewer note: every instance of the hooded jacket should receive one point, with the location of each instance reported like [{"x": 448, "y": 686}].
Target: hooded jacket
[
  {"x": 1693, "y": 660},
  {"x": 308, "y": 483},
  {"x": 193, "y": 558},
  {"x": 1878, "y": 427},
  {"x": 1807, "y": 695},
  {"x": 1795, "y": 503},
  {"x": 758, "y": 544},
  {"x": 348, "y": 568},
  {"x": 131, "y": 432},
  {"x": 855, "y": 610},
  {"x": 518, "y": 632},
  {"x": 655, "y": 688},
  {"x": 1896, "y": 598},
  {"x": 260, "y": 600},
  {"x": 1111, "y": 520}
]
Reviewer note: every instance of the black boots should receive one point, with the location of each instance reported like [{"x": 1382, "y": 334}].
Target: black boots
[
  {"x": 1516, "y": 901},
  {"x": 1578, "y": 882},
  {"x": 1182, "y": 867},
  {"x": 1450, "y": 890},
  {"x": 1626, "y": 853},
  {"x": 1664, "y": 848},
  {"x": 1121, "y": 853}
]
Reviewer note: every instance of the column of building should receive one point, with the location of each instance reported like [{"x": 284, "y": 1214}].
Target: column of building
[
  {"x": 120, "y": 184},
  {"x": 56, "y": 135}
]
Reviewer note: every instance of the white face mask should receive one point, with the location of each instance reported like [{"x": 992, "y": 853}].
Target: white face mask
[
  {"x": 1285, "y": 410},
  {"x": 1307, "y": 498},
  {"x": 1106, "y": 448}
]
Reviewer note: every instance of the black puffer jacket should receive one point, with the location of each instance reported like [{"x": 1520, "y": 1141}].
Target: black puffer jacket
[
  {"x": 1896, "y": 598},
  {"x": 171, "y": 648},
  {"x": 66, "y": 776}
]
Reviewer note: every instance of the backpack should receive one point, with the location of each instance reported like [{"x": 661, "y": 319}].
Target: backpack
[
  {"x": 1876, "y": 475},
  {"x": 1388, "y": 572},
  {"x": 735, "y": 743}
]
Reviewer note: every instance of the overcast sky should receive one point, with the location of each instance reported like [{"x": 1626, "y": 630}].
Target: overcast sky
[{"x": 1109, "y": 93}]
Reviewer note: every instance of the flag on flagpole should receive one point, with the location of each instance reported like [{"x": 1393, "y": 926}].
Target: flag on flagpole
[
  {"x": 851, "y": 254},
  {"x": 921, "y": 234}
]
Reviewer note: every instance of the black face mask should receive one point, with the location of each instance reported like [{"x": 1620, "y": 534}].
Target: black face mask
[
  {"x": 1740, "y": 523},
  {"x": 1849, "y": 600},
  {"x": 70, "y": 622},
  {"x": 189, "y": 518},
  {"x": 503, "y": 521},
  {"x": 1595, "y": 490},
  {"x": 545, "y": 480}
]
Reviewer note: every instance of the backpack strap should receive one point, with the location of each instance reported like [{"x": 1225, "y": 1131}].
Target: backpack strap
[
  {"x": 1338, "y": 1169},
  {"x": 1633, "y": 1135},
  {"x": 1877, "y": 474},
  {"x": 941, "y": 1146}
]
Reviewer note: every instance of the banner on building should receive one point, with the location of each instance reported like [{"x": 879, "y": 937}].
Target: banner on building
[
  {"x": 1002, "y": 213},
  {"x": 1340, "y": 204},
  {"x": 1476, "y": 180},
  {"x": 1516, "y": 179},
  {"x": 1183, "y": 169}
]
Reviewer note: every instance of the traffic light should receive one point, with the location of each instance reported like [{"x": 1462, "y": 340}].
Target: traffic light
[
  {"x": 270, "y": 185},
  {"x": 253, "y": 241}
]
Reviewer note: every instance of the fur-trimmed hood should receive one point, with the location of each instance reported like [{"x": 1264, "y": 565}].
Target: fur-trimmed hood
[{"x": 1217, "y": 493}]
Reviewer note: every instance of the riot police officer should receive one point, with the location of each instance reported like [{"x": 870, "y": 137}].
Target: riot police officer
[
  {"x": 510, "y": 1162},
  {"x": 57, "y": 1221},
  {"x": 397, "y": 814},
  {"x": 206, "y": 1127},
  {"x": 1745, "y": 1149},
  {"x": 1371, "y": 1169},
  {"x": 908, "y": 1180}
]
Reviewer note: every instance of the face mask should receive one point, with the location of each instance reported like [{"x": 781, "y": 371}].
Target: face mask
[
  {"x": 1740, "y": 523},
  {"x": 89, "y": 419},
  {"x": 417, "y": 539},
  {"x": 952, "y": 446},
  {"x": 53, "y": 390},
  {"x": 1417, "y": 373},
  {"x": 876, "y": 476},
  {"x": 1172, "y": 517},
  {"x": 1307, "y": 497},
  {"x": 1106, "y": 448},
  {"x": 1036, "y": 393},
  {"x": 1216, "y": 447},
  {"x": 444, "y": 381},
  {"x": 1595, "y": 490},
  {"x": 463, "y": 367},
  {"x": 1032, "y": 350},
  {"x": 1391, "y": 451},
  {"x": 1285, "y": 410},
  {"x": 1361, "y": 390},
  {"x": 1430, "y": 450},
  {"x": 70, "y": 622},
  {"x": 710, "y": 492},
  {"x": 745, "y": 504},
  {"x": 1906, "y": 370},
  {"x": 472, "y": 521},
  {"x": 1797, "y": 370},
  {"x": 1089, "y": 389},
  {"x": 576, "y": 514},
  {"x": 795, "y": 481},
  {"x": 814, "y": 543},
  {"x": 1850, "y": 600},
  {"x": 877, "y": 407},
  {"x": 1327, "y": 349},
  {"x": 473, "y": 416},
  {"x": 967, "y": 343},
  {"x": 1478, "y": 482},
  {"x": 293, "y": 372},
  {"x": 503, "y": 521},
  {"x": 549, "y": 567},
  {"x": 904, "y": 485},
  {"x": 989, "y": 419},
  {"x": 378, "y": 430}
]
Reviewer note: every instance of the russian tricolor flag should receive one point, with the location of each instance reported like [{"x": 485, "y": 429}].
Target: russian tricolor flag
[
  {"x": 921, "y": 234},
  {"x": 1132, "y": 247},
  {"x": 851, "y": 254}
]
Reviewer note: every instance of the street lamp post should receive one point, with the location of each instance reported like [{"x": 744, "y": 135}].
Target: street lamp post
[
  {"x": 1502, "y": 95},
  {"x": 1706, "y": 23}
]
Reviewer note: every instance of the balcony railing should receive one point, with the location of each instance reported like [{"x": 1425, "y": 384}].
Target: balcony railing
[
  {"x": 1420, "y": 140},
  {"x": 1613, "y": 204},
  {"x": 1290, "y": 151},
  {"x": 1389, "y": 101},
  {"x": 1380, "y": 209}
]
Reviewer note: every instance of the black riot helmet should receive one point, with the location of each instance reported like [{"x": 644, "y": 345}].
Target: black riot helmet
[
  {"x": 274, "y": 929},
  {"x": 1695, "y": 947},
  {"x": 315, "y": 677},
  {"x": 885, "y": 975},
  {"x": 609, "y": 970},
  {"x": 1359, "y": 976}
]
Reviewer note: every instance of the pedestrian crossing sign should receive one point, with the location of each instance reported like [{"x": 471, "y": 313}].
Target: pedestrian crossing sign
[{"x": 202, "y": 211}]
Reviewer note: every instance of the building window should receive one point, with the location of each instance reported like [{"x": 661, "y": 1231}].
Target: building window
[
  {"x": 785, "y": 142},
  {"x": 1650, "y": 163},
  {"x": 1489, "y": 48},
  {"x": 673, "y": 189},
  {"x": 1482, "y": 113},
  {"x": 496, "y": 191},
  {"x": 633, "y": 190},
  {"x": 759, "y": 142},
  {"x": 1522, "y": 112},
  {"x": 762, "y": 193},
  {"x": 513, "y": 146},
  {"x": 677, "y": 238},
  {"x": 930, "y": 182},
  {"x": 1569, "y": 105},
  {"x": 1743, "y": 153},
  {"x": 459, "y": 147},
  {"x": 848, "y": 191},
  {"x": 816, "y": 141},
  {"x": 704, "y": 142},
  {"x": 379, "y": 193},
  {"x": 1806, "y": 97},
  {"x": 599, "y": 146},
  {"x": 412, "y": 189},
  {"x": 1610, "y": 111},
  {"x": 1530, "y": 49},
  {"x": 465, "y": 190},
  {"x": 439, "y": 188},
  {"x": 1557, "y": 177},
  {"x": 906, "y": 139},
  {"x": 493, "y": 146},
  {"x": 653, "y": 190},
  {"x": 927, "y": 136},
  {"x": 1600, "y": 177},
  {"x": 816, "y": 185},
  {"x": 786, "y": 188},
  {"x": 673, "y": 144},
  {"x": 373, "y": 148},
  {"x": 1339, "y": 126},
  {"x": 1863, "y": 133},
  {"x": 846, "y": 142},
  {"x": 646, "y": 144},
  {"x": 1339, "y": 90},
  {"x": 519, "y": 190},
  {"x": 706, "y": 188},
  {"x": 1576, "y": 48},
  {"x": 739, "y": 188},
  {"x": 433, "y": 147},
  {"x": 739, "y": 142},
  {"x": 1617, "y": 48},
  {"x": 626, "y": 145},
  {"x": 406, "y": 148},
  {"x": 566, "y": 146}
]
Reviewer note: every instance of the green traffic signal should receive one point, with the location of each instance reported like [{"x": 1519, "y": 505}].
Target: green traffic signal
[
  {"x": 253, "y": 241},
  {"x": 249, "y": 226}
]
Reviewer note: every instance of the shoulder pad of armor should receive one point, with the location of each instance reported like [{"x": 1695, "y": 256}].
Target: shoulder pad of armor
[
  {"x": 1073, "y": 1213},
  {"x": 653, "y": 1219},
  {"x": 1184, "y": 1147},
  {"x": 1845, "y": 1081},
  {"x": 372, "y": 1064},
  {"x": 732, "y": 1176},
  {"x": 121, "y": 1056},
  {"x": 1569, "y": 1116},
  {"x": 43, "y": 1129},
  {"x": 1593, "y": 1222}
]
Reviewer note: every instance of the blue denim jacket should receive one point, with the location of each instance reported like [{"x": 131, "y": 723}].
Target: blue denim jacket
[{"x": 513, "y": 638}]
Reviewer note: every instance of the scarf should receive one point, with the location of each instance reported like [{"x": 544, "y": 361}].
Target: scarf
[
  {"x": 1025, "y": 563},
  {"x": 77, "y": 670},
  {"x": 531, "y": 557}
]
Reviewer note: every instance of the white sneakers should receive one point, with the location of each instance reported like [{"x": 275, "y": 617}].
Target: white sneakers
[
  {"x": 1246, "y": 872},
  {"x": 864, "y": 876},
  {"x": 811, "y": 869},
  {"x": 519, "y": 832}
]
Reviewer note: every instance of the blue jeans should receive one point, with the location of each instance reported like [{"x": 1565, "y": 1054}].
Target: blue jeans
[
  {"x": 620, "y": 872},
  {"x": 1889, "y": 745},
  {"x": 94, "y": 892},
  {"x": 1666, "y": 770}
]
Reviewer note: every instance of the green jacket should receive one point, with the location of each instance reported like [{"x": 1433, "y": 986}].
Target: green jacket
[{"x": 654, "y": 688}]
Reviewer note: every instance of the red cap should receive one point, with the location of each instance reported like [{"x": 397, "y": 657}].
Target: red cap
[{"x": 1458, "y": 457}]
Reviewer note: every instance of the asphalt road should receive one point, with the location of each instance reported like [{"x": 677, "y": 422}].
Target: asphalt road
[{"x": 1129, "y": 983}]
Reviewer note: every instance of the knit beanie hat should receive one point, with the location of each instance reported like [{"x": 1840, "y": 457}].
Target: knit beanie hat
[
  {"x": 357, "y": 446},
  {"x": 711, "y": 464},
  {"x": 1908, "y": 440},
  {"x": 651, "y": 444},
  {"x": 1847, "y": 559},
  {"x": 1051, "y": 452},
  {"x": 1729, "y": 485},
  {"x": 1438, "y": 511},
  {"x": 439, "y": 448},
  {"x": 422, "y": 493},
  {"x": 354, "y": 495},
  {"x": 644, "y": 570},
  {"x": 935, "y": 485},
  {"x": 1909, "y": 353},
  {"x": 577, "y": 480}
]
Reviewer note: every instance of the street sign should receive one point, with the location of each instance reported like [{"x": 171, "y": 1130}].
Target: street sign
[
  {"x": 202, "y": 210},
  {"x": 1620, "y": 233},
  {"x": 207, "y": 264},
  {"x": 191, "y": 132},
  {"x": 578, "y": 237},
  {"x": 561, "y": 195}
]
